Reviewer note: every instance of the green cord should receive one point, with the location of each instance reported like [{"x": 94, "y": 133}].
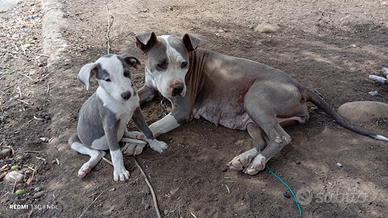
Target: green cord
[{"x": 300, "y": 210}]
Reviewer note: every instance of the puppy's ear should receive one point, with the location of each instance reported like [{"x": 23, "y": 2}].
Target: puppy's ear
[
  {"x": 145, "y": 41},
  {"x": 86, "y": 72},
  {"x": 130, "y": 60},
  {"x": 190, "y": 42}
]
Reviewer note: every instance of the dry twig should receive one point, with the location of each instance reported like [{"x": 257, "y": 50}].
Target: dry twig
[
  {"x": 109, "y": 24},
  {"x": 90, "y": 205},
  {"x": 150, "y": 187}
]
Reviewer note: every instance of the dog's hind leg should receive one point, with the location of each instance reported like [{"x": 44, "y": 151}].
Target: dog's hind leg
[
  {"x": 259, "y": 142},
  {"x": 264, "y": 102},
  {"x": 95, "y": 155}
]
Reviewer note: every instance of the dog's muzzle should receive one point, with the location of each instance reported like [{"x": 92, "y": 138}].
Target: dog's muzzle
[
  {"x": 126, "y": 95},
  {"x": 177, "y": 89}
]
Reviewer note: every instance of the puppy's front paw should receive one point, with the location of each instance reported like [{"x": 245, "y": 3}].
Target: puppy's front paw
[
  {"x": 120, "y": 173},
  {"x": 158, "y": 145}
]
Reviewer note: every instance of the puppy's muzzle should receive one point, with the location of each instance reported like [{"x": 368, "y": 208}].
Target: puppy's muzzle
[
  {"x": 177, "y": 89},
  {"x": 126, "y": 95}
]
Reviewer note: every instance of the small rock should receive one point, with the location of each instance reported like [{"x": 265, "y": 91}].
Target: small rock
[
  {"x": 224, "y": 169},
  {"x": 297, "y": 162},
  {"x": 214, "y": 210},
  {"x": 241, "y": 197},
  {"x": 166, "y": 212},
  {"x": 47, "y": 117},
  {"x": 39, "y": 194},
  {"x": 14, "y": 175},
  {"x": 40, "y": 65},
  {"x": 266, "y": 28},
  {"x": 384, "y": 3},
  {"x": 285, "y": 194},
  {"x": 54, "y": 162},
  {"x": 5, "y": 153},
  {"x": 147, "y": 207},
  {"x": 37, "y": 189},
  {"x": 338, "y": 164},
  {"x": 373, "y": 93}
]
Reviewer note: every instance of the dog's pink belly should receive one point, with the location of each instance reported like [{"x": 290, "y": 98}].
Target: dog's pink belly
[
  {"x": 224, "y": 116},
  {"x": 233, "y": 119}
]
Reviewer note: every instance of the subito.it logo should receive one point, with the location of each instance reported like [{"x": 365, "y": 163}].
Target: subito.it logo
[{"x": 304, "y": 196}]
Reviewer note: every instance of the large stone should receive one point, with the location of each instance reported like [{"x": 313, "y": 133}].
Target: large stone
[{"x": 363, "y": 111}]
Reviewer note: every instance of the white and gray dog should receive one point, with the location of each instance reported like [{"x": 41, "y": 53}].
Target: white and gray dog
[
  {"x": 233, "y": 92},
  {"x": 104, "y": 116}
]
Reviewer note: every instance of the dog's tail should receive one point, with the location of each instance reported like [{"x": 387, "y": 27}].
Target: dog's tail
[
  {"x": 318, "y": 101},
  {"x": 74, "y": 138}
]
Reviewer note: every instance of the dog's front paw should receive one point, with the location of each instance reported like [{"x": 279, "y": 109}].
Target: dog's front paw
[
  {"x": 158, "y": 146},
  {"x": 133, "y": 146},
  {"x": 120, "y": 173},
  {"x": 258, "y": 164},
  {"x": 134, "y": 135}
]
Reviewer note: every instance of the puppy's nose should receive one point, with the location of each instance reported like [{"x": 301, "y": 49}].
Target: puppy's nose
[
  {"x": 126, "y": 95},
  {"x": 177, "y": 89}
]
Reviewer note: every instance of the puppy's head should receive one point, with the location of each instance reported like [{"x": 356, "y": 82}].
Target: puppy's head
[
  {"x": 167, "y": 61},
  {"x": 113, "y": 75}
]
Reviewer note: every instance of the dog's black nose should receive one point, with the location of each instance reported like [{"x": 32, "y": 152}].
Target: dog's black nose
[
  {"x": 126, "y": 95},
  {"x": 177, "y": 89}
]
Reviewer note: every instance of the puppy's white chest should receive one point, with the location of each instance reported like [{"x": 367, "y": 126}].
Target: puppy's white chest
[{"x": 123, "y": 110}]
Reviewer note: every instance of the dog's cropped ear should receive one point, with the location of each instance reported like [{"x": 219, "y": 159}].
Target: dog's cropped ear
[
  {"x": 190, "y": 42},
  {"x": 86, "y": 73},
  {"x": 130, "y": 60},
  {"x": 145, "y": 41}
]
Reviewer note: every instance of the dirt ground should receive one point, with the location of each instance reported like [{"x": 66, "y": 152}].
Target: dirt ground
[{"x": 329, "y": 46}]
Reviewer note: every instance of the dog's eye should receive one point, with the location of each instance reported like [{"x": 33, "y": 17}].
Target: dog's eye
[
  {"x": 162, "y": 66},
  {"x": 108, "y": 80},
  {"x": 126, "y": 73},
  {"x": 184, "y": 65}
]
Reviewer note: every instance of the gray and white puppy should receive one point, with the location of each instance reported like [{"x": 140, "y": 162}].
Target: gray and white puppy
[{"x": 103, "y": 117}]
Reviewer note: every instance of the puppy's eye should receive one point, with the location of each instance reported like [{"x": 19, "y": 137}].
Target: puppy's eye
[
  {"x": 184, "y": 65},
  {"x": 126, "y": 73},
  {"x": 108, "y": 80},
  {"x": 162, "y": 66}
]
